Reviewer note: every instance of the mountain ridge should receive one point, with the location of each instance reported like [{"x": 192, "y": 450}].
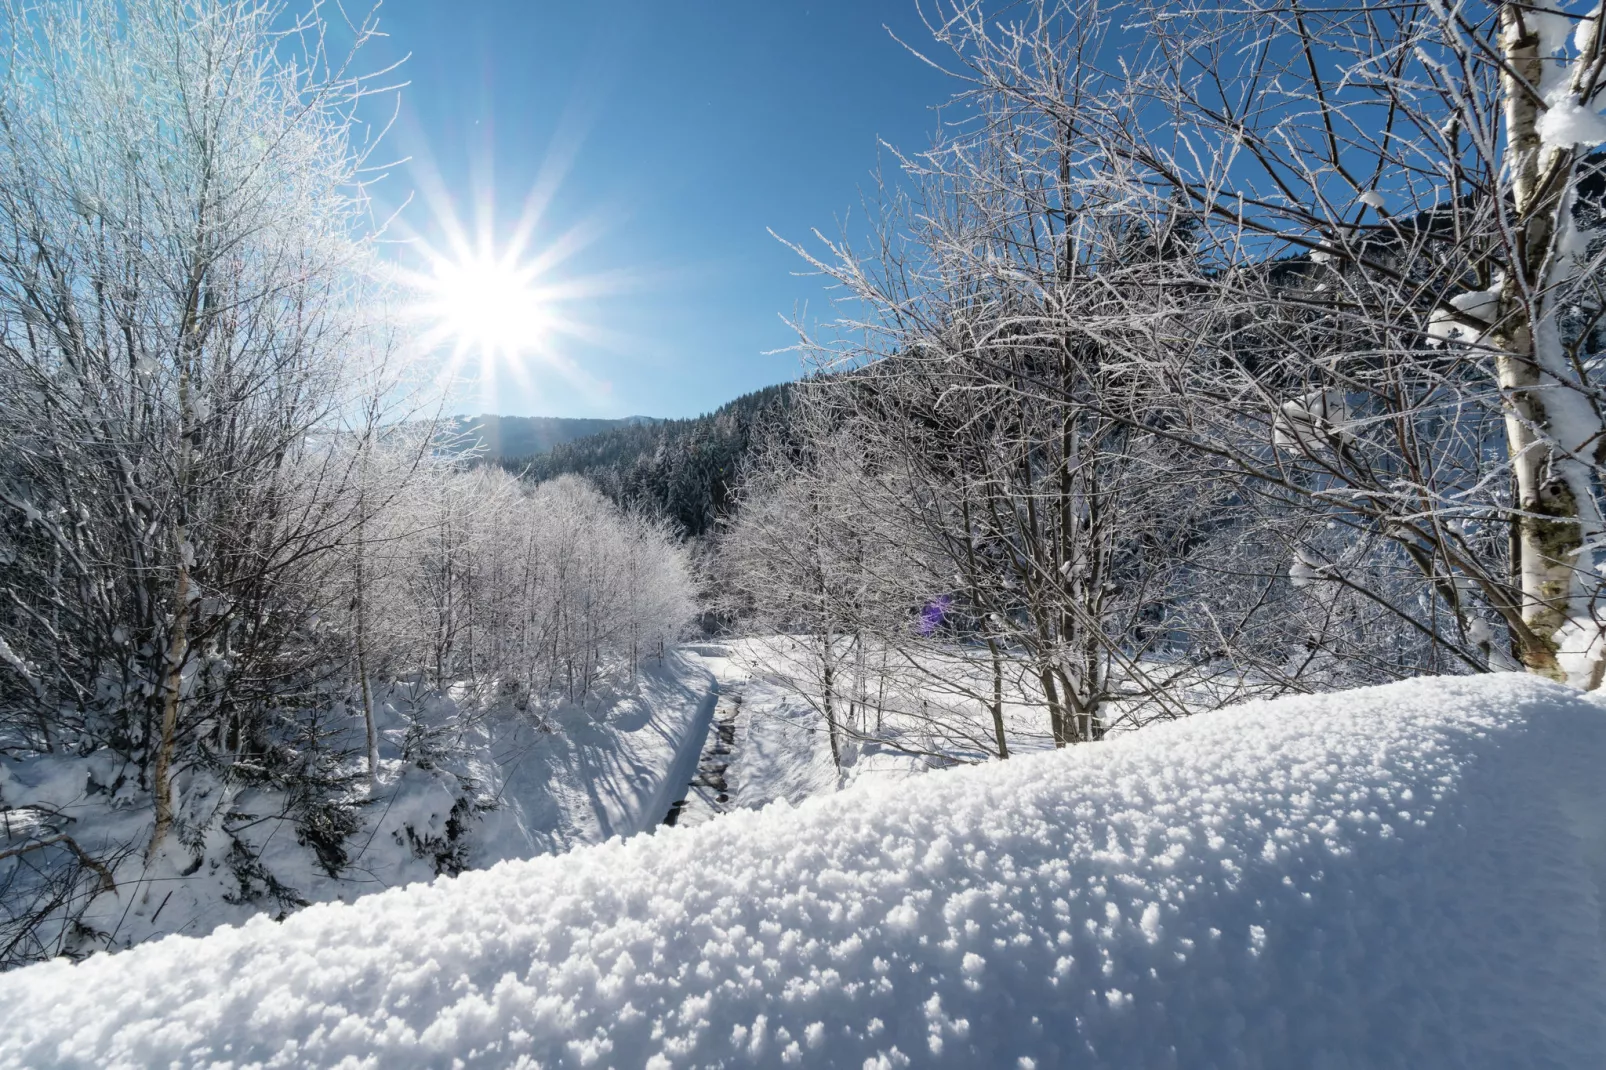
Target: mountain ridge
[
  {"x": 507, "y": 437},
  {"x": 684, "y": 470}
]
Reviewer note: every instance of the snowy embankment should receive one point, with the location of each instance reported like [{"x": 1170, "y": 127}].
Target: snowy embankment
[
  {"x": 604, "y": 774},
  {"x": 486, "y": 786},
  {"x": 1403, "y": 876}
]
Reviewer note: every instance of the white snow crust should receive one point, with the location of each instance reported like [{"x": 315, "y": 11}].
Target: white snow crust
[{"x": 1405, "y": 876}]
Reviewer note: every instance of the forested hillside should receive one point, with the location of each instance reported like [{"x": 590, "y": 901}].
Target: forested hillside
[
  {"x": 501, "y": 437},
  {"x": 685, "y": 470}
]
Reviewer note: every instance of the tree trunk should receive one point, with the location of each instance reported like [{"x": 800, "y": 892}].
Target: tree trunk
[
  {"x": 1550, "y": 532},
  {"x": 993, "y": 652},
  {"x": 1056, "y": 712},
  {"x": 174, "y": 669},
  {"x": 361, "y": 639},
  {"x": 998, "y": 696},
  {"x": 829, "y": 679}
]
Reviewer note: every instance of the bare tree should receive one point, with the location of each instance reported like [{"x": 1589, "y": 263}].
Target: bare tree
[
  {"x": 1241, "y": 350},
  {"x": 1393, "y": 209},
  {"x": 183, "y": 296}
]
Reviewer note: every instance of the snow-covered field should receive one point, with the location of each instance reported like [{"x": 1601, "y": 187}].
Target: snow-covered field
[
  {"x": 783, "y": 751},
  {"x": 1406, "y": 876},
  {"x": 910, "y": 718}
]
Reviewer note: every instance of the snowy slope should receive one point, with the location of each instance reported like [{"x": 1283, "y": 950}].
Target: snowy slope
[
  {"x": 603, "y": 774},
  {"x": 544, "y": 784},
  {"x": 1407, "y": 876}
]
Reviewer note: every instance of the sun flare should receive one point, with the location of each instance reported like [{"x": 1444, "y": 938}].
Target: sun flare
[
  {"x": 488, "y": 306},
  {"x": 500, "y": 300}
]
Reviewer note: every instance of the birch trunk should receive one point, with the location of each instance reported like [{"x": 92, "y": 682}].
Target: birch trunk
[
  {"x": 1554, "y": 496},
  {"x": 360, "y": 641}
]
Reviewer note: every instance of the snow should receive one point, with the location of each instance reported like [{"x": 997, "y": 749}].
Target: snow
[
  {"x": 1403, "y": 876},
  {"x": 1312, "y": 421},
  {"x": 929, "y": 718},
  {"x": 1580, "y": 648},
  {"x": 518, "y": 784},
  {"x": 1479, "y": 306},
  {"x": 780, "y": 750},
  {"x": 612, "y": 772},
  {"x": 1307, "y": 569},
  {"x": 1566, "y": 123},
  {"x": 1554, "y": 30}
]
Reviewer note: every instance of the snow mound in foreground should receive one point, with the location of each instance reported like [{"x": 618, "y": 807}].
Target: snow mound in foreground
[{"x": 1403, "y": 876}]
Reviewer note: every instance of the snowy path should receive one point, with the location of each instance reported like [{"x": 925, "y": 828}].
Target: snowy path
[
  {"x": 710, "y": 792},
  {"x": 600, "y": 775},
  {"x": 684, "y": 764}
]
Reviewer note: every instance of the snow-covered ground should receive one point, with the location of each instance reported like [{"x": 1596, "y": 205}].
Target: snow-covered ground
[
  {"x": 604, "y": 774},
  {"x": 782, "y": 749},
  {"x": 497, "y": 784},
  {"x": 909, "y": 719},
  {"x": 910, "y": 713},
  {"x": 1405, "y": 876}
]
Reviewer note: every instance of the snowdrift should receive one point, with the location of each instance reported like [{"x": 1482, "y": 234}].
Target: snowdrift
[{"x": 1406, "y": 876}]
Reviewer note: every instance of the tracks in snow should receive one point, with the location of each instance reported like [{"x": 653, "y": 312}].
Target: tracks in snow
[{"x": 711, "y": 791}]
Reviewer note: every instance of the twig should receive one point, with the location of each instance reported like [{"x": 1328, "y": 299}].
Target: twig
[{"x": 106, "y": 882}]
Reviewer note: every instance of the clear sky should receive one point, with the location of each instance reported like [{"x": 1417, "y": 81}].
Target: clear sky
[{"x": 655, "y": 144}]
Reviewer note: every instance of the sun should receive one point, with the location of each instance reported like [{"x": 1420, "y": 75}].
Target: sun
[
  {"x": 498, "y": 299},
  {"x": 487, "y": 306}
]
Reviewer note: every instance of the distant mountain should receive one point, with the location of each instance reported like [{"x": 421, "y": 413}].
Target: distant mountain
[
  {"x": 506, "y": 437},
  {"x": 683, "y": 469}
]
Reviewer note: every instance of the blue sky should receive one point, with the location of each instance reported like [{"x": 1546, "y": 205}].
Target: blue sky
[{"x": 663, "y": 141}]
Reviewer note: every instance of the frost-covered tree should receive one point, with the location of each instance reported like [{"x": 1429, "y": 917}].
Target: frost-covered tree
[
  {"x": 192, "y": 340},
  {"x": 1356, "y": 311},
  {"x": 794, "y": 566},
  {"x": 1045, "y": 508},
  {"x": 1394, "y": 320},
  {"x": 182, "y": 336},
  {"x": 538, "y": 594},
  {"x": 229, "y": 529}
]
